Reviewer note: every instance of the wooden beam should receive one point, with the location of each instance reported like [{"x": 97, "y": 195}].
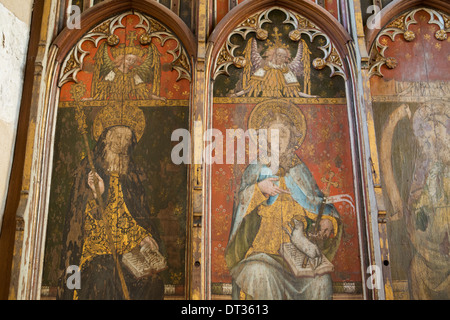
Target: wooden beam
[{"x": 8, "y": 231}]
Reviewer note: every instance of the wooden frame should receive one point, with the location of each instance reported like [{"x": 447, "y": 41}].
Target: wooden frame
[
  {"x": 33, "y": 153},
  {"x": 28, "y": 281},
  {"x": 342, "y": 41},
  {"x": 389, "y": 13}
]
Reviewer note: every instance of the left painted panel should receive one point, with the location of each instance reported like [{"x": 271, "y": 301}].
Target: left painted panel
[{"x": 117, "y": 221}]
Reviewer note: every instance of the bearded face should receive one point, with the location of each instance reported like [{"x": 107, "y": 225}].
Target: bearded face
[{"x": 116, "y": 153}]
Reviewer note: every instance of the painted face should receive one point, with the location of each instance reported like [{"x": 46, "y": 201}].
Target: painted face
[
  {"x": 130, "y": 60},
  {"x": 442, "y": 132},
  {"x": 281, "y": 56},
  {"x": 432, "y": 131},
  {"x": 118, "y": 140},
  {"x": 284, "y": 135}
]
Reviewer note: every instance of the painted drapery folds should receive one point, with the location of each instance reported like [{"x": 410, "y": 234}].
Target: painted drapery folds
[
  {"x": 115, "y": 193},
  {"x": 411, "y": 95},
  {"x": 277, "y": 70}
]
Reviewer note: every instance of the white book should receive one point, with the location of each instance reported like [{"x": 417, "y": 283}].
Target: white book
[
  {"x": 144, "y": 262},
  {"x": 301, "y": 268}
]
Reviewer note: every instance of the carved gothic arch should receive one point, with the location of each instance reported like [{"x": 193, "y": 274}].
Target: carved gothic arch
[
  {"x": 397, "y": 7},
  {"x": 220, "y": 54},
  {"x": 399, "y": 25},
  {"x": 28, "y": 279},
  {"x": 315, "y": 13},
  {"x": 104, "y": 10}
]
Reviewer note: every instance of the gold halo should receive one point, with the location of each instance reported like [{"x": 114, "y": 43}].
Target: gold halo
[
  {"x": 119, "y": 115},
  {"x": 269, "y": 108}
]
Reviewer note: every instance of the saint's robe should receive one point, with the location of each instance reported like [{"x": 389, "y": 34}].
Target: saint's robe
[
  {"x": 127, "y": 208},
  {"x": 252, "y": 253}
]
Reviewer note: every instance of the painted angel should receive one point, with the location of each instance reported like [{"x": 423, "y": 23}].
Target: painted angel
[
  {"x": 275, "y": 74},
  {"x": 127, "y": 74}
]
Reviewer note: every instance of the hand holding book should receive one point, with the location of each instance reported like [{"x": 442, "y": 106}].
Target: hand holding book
[{"x": 146, "y": 260}]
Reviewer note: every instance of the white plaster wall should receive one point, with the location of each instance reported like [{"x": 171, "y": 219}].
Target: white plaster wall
[
  {"x": 14, "y": 37},
  {"x": 20, "y": 8}
]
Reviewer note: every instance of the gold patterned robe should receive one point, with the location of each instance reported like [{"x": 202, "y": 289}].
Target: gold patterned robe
[
  {"x": 126, "y": 233},
  {"x": 252, "y": 254},
  {"x": 273, "y": 81},
  {"x": 118, "y": 86},
  {"x": 84, "y": 243}
]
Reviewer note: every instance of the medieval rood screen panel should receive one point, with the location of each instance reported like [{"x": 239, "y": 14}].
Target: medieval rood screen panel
[
  {"x": 291, "y": 233},
  {"x": 117, "y": 212}
]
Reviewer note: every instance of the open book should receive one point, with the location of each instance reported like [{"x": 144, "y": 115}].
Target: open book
[
  {"x": 301, "y": 267},
  {"x": 144, "y": 261}
]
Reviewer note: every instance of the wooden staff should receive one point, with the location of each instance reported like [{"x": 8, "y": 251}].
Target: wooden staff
[
  {"x": 326, "y": 193},
  {"x": 316, "y": 227},
  {"x": 77, "y": 92}
]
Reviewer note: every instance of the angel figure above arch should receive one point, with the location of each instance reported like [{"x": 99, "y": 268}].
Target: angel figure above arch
[
  {"x": 126, "y": 72},
  {"x": 275, "y": 73}
]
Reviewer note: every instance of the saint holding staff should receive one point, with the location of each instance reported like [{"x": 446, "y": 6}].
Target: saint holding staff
[
  {"x": 118, "y": 181},
  {"x": 111, "y": 205}
]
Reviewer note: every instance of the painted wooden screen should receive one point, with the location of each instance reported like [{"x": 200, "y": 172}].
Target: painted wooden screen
[
  {"x": 411, "y": 107},
  {"x": 117, "y": 213},
  {"x": 277, "y": 70}
]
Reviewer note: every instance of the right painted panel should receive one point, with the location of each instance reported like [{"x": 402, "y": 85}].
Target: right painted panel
[{"x": 410, "y": 87}]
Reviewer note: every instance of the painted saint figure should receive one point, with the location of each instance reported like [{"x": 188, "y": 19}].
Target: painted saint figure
[
  {"x": 428, "y": 214},
  {"x": 126, "y": 211},
  {"x": 276, "y": 208}
]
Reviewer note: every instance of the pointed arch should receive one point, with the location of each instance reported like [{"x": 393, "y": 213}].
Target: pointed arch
[
  {"x": 106, "y": 9},
  {"x": 47, "y": 116},
  {"x": 315, "y": 13},
  {"x": 395, "y": 8},
  {"x": 245, "y": 21}
]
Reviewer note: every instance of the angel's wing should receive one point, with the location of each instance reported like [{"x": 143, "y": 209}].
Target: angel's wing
[
  {"x": 103, "y": 66},
  {"x": 254, "y": 61},
  {"x": 150, "y": 70},
  {"x": 297, "y": 64},
  {"x": 256, "y": 58}
]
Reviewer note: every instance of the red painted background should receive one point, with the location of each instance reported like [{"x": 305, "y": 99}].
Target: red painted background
[
  {"x": 326, "y": 147},
  {"x": 170, "y": 88}
]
